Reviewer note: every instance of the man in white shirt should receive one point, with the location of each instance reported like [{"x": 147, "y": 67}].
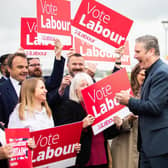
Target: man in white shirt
[{"x": 52, "y": 81}]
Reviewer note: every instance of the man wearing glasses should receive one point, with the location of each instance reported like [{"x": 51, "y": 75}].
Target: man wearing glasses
[{"x": 54, "y": 80}]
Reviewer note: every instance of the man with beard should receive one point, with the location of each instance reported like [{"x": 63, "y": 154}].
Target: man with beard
[
  {"x": 54, "y": 80},
  {"x": 75, "y": 64},
  {"x": 3, "y": 67}
]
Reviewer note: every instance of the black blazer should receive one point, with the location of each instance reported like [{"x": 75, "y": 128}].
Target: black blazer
[
  {"x": 54, "y": 80},
  {"x": 71, "y": 111},
  {"x": 8, "y": 100},
  {"x": 2, "y": 79},
  {"x": 152, "y": 109}
]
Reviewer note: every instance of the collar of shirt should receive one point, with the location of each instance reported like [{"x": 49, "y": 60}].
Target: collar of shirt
[
  {"x": 4, "y": 77},
  {"x": 16, "y": 85},
  {"x": 149, "y": 69}
]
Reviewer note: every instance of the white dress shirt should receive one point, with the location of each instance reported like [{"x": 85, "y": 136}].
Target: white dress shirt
[
  {"x": 2, "y": 137},
  {"x": 38, "y": 121},
  {"x": 16, "y": 85}
]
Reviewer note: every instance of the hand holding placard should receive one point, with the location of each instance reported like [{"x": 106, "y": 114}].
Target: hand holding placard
[
  {"x": 123, "y": 97},
  {"x": 100, "y": 100}
]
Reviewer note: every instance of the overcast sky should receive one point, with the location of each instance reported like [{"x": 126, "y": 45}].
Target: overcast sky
[{"x": 146, "y": 14}]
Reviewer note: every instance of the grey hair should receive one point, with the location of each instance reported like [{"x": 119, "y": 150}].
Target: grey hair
[
  {"x": 75, "y": 84},
  {"x": 149, "y": 42}
]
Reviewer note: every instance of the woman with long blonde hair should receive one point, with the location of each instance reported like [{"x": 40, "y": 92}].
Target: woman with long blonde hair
[{"x": 32, "y": 111}]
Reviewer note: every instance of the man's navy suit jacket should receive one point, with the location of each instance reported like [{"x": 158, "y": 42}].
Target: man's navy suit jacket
[
  {"x": 152, "y": 109},
  {"x": 2, "y": 79},
  {"x": 9, "y": 98}
]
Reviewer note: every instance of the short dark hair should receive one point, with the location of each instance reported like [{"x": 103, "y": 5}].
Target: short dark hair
[
  {"x": 3, "y": 58},
  {"x": 30, "y": 58},
  {"x": 75, "y": 55},
  {"x": 12, "y": 56}
]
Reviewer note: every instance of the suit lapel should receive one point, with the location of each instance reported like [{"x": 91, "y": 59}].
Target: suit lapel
[
  {"x": 11, "y": 92},
  {"x": 147, "y": 81},
  {"x": 149, "y": 77}
]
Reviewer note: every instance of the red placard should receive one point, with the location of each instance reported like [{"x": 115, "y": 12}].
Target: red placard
[
  {"x": 53, "y": 17},
  {"x": 102, "y": 22},
  {"x": 29, "y": 37},
  {"x": 18, "y": 138},
  {"x": 100, "y": 102},
  {"x": 55, "y": 146},
  {"x": 54, "y": 20},
  {"x": 93, "y": 53}
]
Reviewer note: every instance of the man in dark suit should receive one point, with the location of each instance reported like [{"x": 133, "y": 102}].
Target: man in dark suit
[
  {"x": 3, "y": 67},
  {"x": 10, "y": 89},
  {"x": 152, "y": 107}
]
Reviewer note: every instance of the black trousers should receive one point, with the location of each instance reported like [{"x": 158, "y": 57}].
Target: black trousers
[{"x": 153, "y": 162}]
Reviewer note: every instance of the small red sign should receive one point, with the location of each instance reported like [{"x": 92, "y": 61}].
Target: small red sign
[
  {"x": 18, "y": 138},
  {"x": 29, "y": 37},
  {"x": 100, "y": 101},
  {"x": 53, "y": 17}
]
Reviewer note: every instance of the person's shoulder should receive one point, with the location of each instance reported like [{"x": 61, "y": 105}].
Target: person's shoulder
[
  {"x": 5, "y": 85},
  {"x": 71, "y": 105},
  {"x": 162, "y": 67},
  {"x": 69, "y": 102}
]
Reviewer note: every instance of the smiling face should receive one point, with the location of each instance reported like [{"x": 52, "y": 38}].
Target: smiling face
[
  {"x": 75, "y": 65},
  {"x": 19, "y": 68},
  {"x": 40, "y": 91},
  {"x": 34, "y": 68},
  {"x": 143, "y": 56},
  {"x": 147, "y": 50}
]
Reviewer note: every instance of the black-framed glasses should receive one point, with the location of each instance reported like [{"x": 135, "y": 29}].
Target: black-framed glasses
[{"x": 34, "y": 65}]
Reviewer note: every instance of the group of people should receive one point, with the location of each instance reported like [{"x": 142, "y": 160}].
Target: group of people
[{"x": 29, "y": 101}]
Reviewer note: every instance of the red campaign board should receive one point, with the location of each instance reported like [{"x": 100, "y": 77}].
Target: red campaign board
[
  {"x": 100, "y": 101},
  {"x": 54, "y": 21},
  {"x": 102, "y": 22},
  {"x": 55, "y": 146},
  {"x": 18, "y": 138},
  {"x": 29, "y": 37},
  {"x": 53, "y": 17},
  {"x": 93, "y": 53}
]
